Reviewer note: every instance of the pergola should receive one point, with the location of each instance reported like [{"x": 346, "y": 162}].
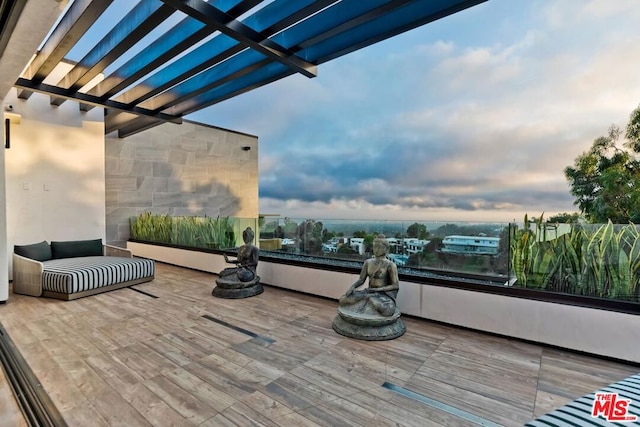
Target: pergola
[{"x": 212, "y": 51}]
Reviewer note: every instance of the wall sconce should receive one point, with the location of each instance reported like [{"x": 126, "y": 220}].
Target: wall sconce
[
  {"x": 9, "y": 118},
  {"x": 246, "y": 148}
]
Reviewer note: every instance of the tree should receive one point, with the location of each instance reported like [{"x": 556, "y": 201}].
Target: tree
[
  {"x": 419, "y": 231},
  {"x": 564, "y": 218},
  {"x": 606, "y": 179},
  {"x": 327, "y": 235},
  {"x": 360, "y": 234}
]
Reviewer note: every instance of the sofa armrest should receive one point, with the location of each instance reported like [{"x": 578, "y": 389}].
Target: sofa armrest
[
  {"x": 110, "y": 250},
  {"x": 27, "y": 276}
]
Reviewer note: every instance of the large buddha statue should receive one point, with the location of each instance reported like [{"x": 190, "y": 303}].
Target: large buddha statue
[
  {"x": 240, "y": 281},
  {"x": 371, "y": 313}
]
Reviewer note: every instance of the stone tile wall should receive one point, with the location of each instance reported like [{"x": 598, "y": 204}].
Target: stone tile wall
[{"x": 187, "y": 169}]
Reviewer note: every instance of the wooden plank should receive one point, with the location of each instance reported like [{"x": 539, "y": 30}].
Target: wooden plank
[
  {"x": 404, "y": 411},
  {"x": 331, "y": 381},
  {"x": 569, "y": 384},
  {"x": 142, "y": 360},
  {"x": 63, "y": 393},
  {"x": 327, "y": 417},
  {"x": 297, "y": 393},
  {"x": 235, "y": 372},
  {"x": 185, "y": 343},
  {"x": 469, "y": 401},
  {"x": 233, "y": 387},
  {"x": 607, "y": 370},
  {"x": 260, "y": 368},
  {"x": 168, "y": 351},
  {"x": 122, "y": 358},
  {"x": 458, "y": 370},
  {"x": 90, "y": 385},
  {"x": 491, "y": 388},
  {"x": 217, "y": 333},
  {"x": 470, "y": 364},
  {"x": 113, "y": 372},
  {"x": 499, "y": 352},
  {"x": 242, "y": 415},
  {"x": 319, "y": 337},
  {"x": 218, "y": 421},
  {"x": 84, "y": 415},
  {"x": 180, "y": 400},
  {"x": 118, "y": 412},
  {"x": 155, "y": 410},
  {"x": 205, "y": 392},
  {"x": 266, "y": 406},
  {"x": 340, "y": 368},
  {"x": 547, "y": 402},
  {"x": 280, "y": 358},
  {"x": 394, "y": 365},
  {"x": 295, "y": 419},
  {"x": 349, "y": 412}
]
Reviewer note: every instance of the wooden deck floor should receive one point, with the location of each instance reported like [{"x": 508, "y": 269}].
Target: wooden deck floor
[{"x": 125, "y": 358}]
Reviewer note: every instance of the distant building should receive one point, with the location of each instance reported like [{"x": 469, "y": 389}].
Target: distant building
[
  {"x": 357, "y": 244},
  {"x": 413, "y": 245},
  {"x": 398, "y": 259},
  {"x": 329, "y": 248},
  {"x": 471, "y": 245}
]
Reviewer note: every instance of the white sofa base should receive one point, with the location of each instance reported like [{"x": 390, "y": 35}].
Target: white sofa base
[{"x": 28, "y": 277}]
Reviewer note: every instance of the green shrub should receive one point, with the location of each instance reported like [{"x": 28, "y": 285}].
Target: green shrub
[
  {"x": 199, "y": 232},
  {"x": 601, "y": 261}
]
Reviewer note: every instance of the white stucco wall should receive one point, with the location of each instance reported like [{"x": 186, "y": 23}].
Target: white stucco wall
[
  {"x": 35, "y": 21},
  {"x": 4, "y": 268},
  {"x": 54, "y": 172}
]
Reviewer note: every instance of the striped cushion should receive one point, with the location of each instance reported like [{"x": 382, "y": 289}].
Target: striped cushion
[
  {"x": 578, "y": 412},
  {"x": 71, "y": 275}
]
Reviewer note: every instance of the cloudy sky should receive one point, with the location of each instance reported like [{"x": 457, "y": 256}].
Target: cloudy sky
[{"x": 473, "y": 117}]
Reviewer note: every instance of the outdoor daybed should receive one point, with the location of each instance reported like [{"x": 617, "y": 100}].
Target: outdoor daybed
[{"x": 74, "y": 269}]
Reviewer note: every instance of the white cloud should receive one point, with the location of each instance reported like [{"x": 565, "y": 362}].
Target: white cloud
[{"x": 468, "y": 122}]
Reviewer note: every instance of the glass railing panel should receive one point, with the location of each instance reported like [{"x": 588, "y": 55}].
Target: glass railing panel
[
  {"x": 595, "y": 260},
  {"x": 338, "y": 239},
  {"x": 461, "y": 247},
  {"x": 472, "y": 248}
]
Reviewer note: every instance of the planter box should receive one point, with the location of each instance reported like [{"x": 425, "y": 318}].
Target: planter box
[{"x": 595, "y": 331}]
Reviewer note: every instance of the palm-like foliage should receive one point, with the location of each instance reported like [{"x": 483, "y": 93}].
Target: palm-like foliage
[{"x": 601, "y": 262}]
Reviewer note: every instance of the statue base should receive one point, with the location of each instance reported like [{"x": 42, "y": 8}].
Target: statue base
[
  {"x": 367, "y": 326},
  {"x": 231, "y": 287}
]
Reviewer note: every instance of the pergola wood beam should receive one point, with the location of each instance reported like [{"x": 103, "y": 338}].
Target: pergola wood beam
[
  {"x": 217, "y": 50},
  {"x": 80, "y": 16},
  {"x": 231, "y": 27},
  {"x": 181, "y": 37},
  {"x": 93, "y": 100},
  {"x": 141, "y": 20}
]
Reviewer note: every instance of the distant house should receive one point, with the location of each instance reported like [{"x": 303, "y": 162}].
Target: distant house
[
  {"x": 329, "y": 248},
  {"x": 357, "y": 244},
  {"x": 413, "y": 246},
  {"x": 470, "y": 245},
  {"x": 398, "y": 259}
]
